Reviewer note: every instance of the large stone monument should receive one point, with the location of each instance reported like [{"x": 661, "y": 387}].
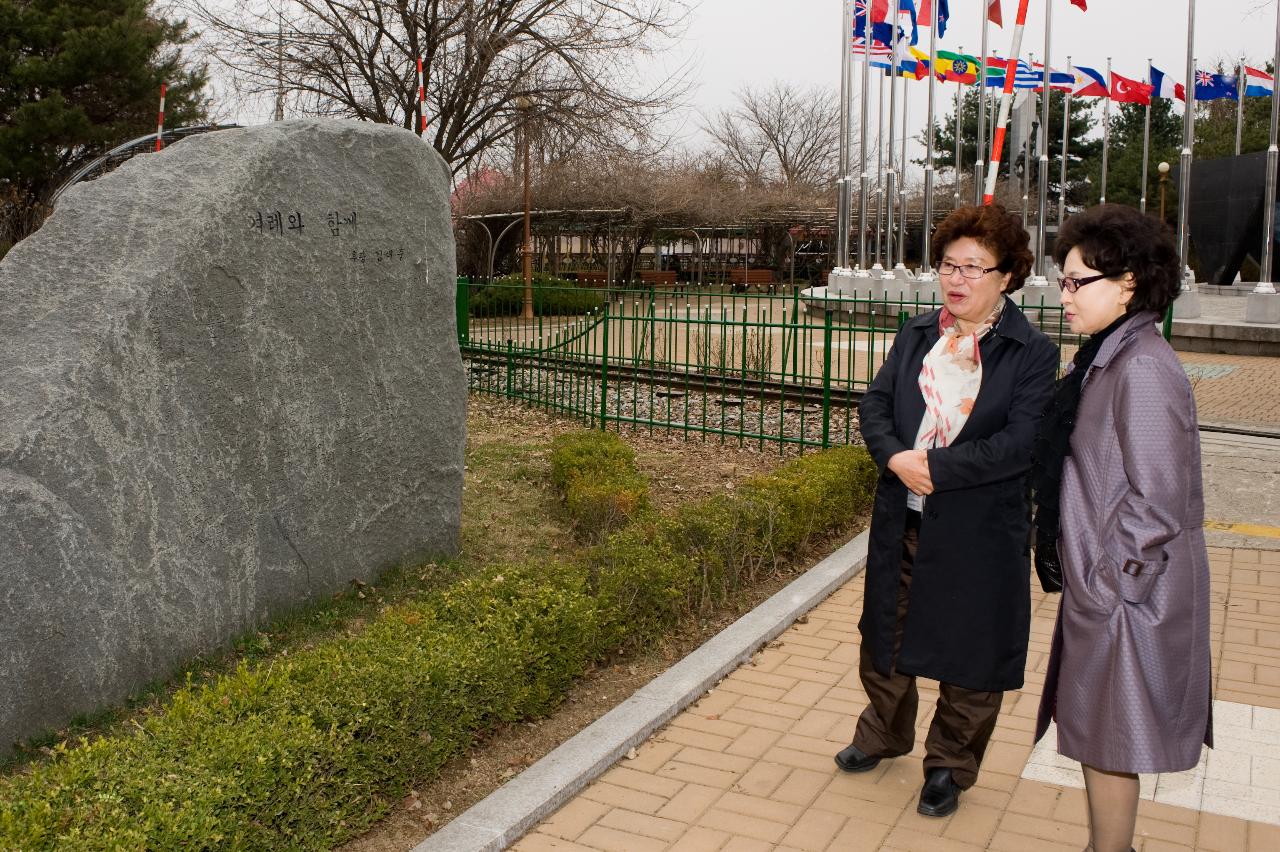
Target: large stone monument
[{"x": 229, "y": 383}]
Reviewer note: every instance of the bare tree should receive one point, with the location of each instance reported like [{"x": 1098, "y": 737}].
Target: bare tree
[
  {"x": 571, "y": 66},
  {"x": 783, "y": 134}
]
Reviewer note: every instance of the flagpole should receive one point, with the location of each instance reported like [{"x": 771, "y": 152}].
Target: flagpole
[
  {"x": 1263, "y": 305},
  {"x": 1042, "y": 143},
  {"x": 1240, "y": 81},
  {"x": 902, "y": 178},
  {"x": 1066, "y": 136},
  {"x": 1106, "y": 134},
  {"x": 959, "y": 129},
  {"x": 1146, "y": 143},
  {"x": 842, "y": 213},
  {"x": 926, "y": 267},
  {"x": 880, "y": 174},
  {"x": 980, "y": 165},
  {"x": 1006, "y": 101},
  {"x": 1188, "y": 303},
  {"x": 891, "y": 181},
  {"x": 864, "y": 160}
]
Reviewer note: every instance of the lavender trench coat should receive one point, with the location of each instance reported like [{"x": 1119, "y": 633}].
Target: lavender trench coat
[{"x": 1128, "y": 679}]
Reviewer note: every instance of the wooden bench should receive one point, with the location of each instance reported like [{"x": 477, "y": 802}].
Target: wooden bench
[
  {"x": 744, "y": 279},
  {"x": 659, "y": 277},
  {"x": 593, "y": 279}
]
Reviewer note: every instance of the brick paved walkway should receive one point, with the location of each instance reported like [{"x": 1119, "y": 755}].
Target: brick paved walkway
[{"x": 749, "y": 767}]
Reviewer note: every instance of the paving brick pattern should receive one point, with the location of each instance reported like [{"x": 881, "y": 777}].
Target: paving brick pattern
[{"x": 749, "y": 766}]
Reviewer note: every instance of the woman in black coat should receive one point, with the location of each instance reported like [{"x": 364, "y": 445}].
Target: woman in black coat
[{"x": 950, "y": 420}]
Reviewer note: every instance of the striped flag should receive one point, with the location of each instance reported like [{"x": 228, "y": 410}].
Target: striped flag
[{"x": 1258, "y": 84}]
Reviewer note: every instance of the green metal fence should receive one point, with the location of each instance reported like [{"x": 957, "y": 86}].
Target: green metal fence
[{"x": 767, "y": 368}]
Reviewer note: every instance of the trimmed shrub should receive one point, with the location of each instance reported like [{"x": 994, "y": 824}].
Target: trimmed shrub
[
  {"x": 596, "y": 475},
  {"x": 551, "y": 297},
  {"x": 733, "y": 538}
]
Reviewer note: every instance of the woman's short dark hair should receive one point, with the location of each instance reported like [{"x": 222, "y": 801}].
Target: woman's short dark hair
[
  {"x": 1115, "y": 239},
  {"x": 996, "y": 230}
]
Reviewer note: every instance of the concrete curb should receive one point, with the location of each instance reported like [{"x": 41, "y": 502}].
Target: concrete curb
[{"x": 502, "y": 818}]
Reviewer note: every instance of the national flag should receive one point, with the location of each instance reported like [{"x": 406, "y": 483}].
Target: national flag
[
  {"x": 943, "y": 13},
  {"x": 1026, "y": 76},
  {"x": 1079, "y": 3},
  {"x": 1211, "y": 87},
  {"x": 1126, "y": 91},
  {"x": 1061, "y": 80},
  {"x": 951, "y": 67},
  {"x": 993, "y": 13},
  {"x": 881, "y": 26},
  {"x": 1163, "y": 86},
  {"x": 1090, "y": 84},
  {"x": 1257, "y": 84}
]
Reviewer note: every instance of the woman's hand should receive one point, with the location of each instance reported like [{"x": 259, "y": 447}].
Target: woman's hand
[{"x": 912, "y": 467}]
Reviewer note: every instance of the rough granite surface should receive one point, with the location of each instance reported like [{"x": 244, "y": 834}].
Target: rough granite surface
[{"x": 229, "y": 383}]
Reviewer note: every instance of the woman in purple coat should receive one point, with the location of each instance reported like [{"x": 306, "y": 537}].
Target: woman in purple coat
[{"x": 1119, "y": 525}]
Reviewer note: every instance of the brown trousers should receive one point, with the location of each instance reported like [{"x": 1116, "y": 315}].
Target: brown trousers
[{"x": 962, "y": 722}]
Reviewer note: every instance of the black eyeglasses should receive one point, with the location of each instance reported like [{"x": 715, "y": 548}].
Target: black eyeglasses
[
  {"x": 946, "y": 267},
  {"x": 1073, "y": 284}
]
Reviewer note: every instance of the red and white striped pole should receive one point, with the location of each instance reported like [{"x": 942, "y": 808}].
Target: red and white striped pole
[
  {"x": 422, "y": 101},
  {"x": 160, "y": 120},
  {"x": 1006, "y": 101}
]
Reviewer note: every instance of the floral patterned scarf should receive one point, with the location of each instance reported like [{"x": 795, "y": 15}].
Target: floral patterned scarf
[{"x": 950, "y": 378}]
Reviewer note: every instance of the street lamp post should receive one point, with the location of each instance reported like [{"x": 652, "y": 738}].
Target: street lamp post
[
  {"x": 523, "y": 104},
  {"x": 1163, "y": 168}
]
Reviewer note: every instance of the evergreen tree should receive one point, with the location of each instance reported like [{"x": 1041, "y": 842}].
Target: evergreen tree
[
  {"x": 76, "y": 79},
  {"x": 1080, "y": 151},
  {"x": 1124, "y": 158}
]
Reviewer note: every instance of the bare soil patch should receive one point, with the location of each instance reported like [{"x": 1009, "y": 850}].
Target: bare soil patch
[{"x": 500, "y": 505}]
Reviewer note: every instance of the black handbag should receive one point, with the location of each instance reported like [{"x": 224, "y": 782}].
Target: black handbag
[{"x": 1049, "y": 566}]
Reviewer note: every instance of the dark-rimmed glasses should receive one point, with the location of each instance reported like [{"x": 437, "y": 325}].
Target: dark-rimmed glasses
[
  {"x": 968, "y": 270},
  {"x": 1073, "y": 284}
]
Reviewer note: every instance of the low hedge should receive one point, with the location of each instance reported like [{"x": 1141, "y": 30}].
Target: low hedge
[
  {"x": 595, "y": 473},
  {"x": 308, "y": 749},
  {"x": 551, "y": 297}
]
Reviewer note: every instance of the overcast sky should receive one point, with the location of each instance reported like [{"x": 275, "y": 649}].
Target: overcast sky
[
  {"x": 730, "y": 44},
  {"x": 736, "y": 43}
]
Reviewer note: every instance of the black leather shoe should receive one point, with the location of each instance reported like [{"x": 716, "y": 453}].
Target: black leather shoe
[
  {"x": 939, "y": 796},
  {"x": 851, "y": 759}
]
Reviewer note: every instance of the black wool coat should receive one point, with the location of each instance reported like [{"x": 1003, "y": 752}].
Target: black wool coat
[{"x": 969, "y": 612}]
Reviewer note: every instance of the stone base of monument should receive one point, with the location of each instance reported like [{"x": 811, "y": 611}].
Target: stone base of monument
[
  {"x": 1262, "y": 308},
  {"x": 925, "y": 287},
  {"x": 1038, "y": 291},
  {"x": 230, "y": 384},
  {"x": 1187, "y": 305}
]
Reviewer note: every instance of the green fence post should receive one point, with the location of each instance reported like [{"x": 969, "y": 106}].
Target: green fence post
[
  {"x": 511, "y": 368},
  {"x": 604, "y": 375},
  {"x": 463, "y": 303},
  {"x": 1168, "y": 323},
  {"x": 826, "y": 381}
]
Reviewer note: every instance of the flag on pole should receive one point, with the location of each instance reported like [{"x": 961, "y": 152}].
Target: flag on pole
[
  {"x": 881, "y": 26},
  {"x": 993, "y": 13},
  {"x": 1026, "y": 76},
  {"x": 1211, "y": 87},
  {"x": 1163, "y": 86},
  {"x": 943, "y": 13},
  {"x": 1090, "y": 83},
  {"x": 1126, "y": 91},
  {"x": 1079, "y": 3},
  {"x": 1061, "y": 80},
  {"x": 1258, "y": 84},
  {"x": 951, "y": 67}
]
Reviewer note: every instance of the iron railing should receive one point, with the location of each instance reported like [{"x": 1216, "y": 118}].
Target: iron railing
[{"x": 767, "y": 368}]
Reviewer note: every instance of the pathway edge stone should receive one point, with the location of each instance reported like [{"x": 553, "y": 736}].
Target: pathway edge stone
[{"x": 503, "y": 817}]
